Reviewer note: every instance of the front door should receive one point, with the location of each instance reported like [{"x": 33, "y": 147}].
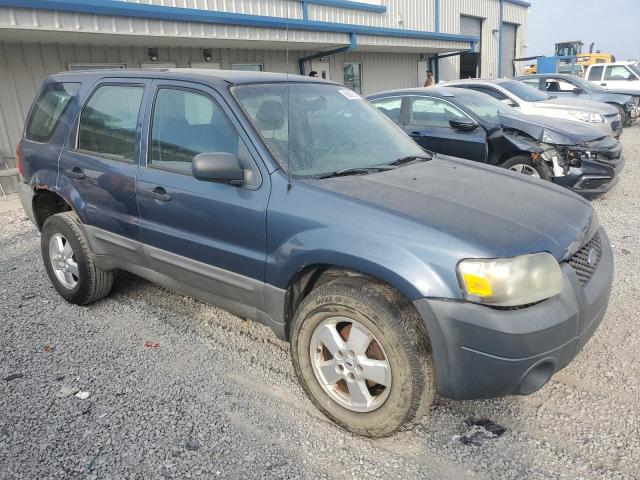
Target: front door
[
  {"x": 210, "y": 235},
  {"x": 101, "y": 161},
  {"x": 429, "y": 126},
  {"x": 620, "y": 77}
]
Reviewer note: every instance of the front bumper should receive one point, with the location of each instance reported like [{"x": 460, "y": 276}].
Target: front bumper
[
  {"x": 483, "y": 352},
  {"x": 593, "y": 177}
]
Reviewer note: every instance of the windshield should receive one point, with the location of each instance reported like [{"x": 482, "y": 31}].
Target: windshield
[
  {"x": 635, "y": 67},
  {"x": 324, "y": 129},
  {"x": 483, "y": 105},
  {"x": 524, "y": 92}
]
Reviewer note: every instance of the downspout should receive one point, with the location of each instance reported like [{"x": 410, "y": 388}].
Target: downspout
[
  {"x": 352, "y": 45},
  {"x": 305, "y": 10},
  {"x": 500, "y": 40},
  {"x": 436, "y": 27}
]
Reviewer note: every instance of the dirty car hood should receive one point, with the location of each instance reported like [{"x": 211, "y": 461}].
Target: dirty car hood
[
  {"x": 551, "y": 130},
  {"x": 502, "y": 213}
]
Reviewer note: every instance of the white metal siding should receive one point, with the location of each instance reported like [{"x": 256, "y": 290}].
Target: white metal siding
[
  {"x": 470, "y": 26},
  {"x": 516, "y": 14}
]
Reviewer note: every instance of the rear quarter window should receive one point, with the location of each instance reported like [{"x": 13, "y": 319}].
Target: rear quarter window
[{"x": 48, "y": 109}]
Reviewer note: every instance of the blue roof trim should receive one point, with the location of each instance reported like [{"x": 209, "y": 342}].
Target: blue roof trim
[
  {"x": 522, "y": 3},
  {"x": 159, "y": 12},
  {"x": 367, "y": 7}
]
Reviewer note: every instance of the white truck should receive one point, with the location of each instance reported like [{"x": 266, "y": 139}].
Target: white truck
[{"x": 616, "y": 76}]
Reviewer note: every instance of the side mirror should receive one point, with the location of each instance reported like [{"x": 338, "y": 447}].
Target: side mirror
[
  {"x": 463, "y": 125},
  {"x": 578, "y": 90},
  {"x": 218, "y": 167}
]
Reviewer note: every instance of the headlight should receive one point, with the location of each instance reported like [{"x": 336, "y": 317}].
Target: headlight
[
  {"x": 587, "y": 117},
  {"x": 510, "y": 282}
]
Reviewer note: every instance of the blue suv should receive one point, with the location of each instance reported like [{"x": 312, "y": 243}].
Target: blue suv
[{"x": 394, "y": 273}]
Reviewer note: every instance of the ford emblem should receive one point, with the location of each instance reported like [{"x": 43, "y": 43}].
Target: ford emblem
[{"x": 592, "y": 258}]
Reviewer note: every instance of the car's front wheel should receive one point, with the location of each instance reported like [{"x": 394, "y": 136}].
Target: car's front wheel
[
  {"x": 362, "y": 355},
  {"x": 69, "y": 262},
  {"x": 525, "y": 165}
]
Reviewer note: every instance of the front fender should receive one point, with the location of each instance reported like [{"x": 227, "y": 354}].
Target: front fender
[
  {"x": 392, "y": 263},
  {"x": 503, "y": 142}
]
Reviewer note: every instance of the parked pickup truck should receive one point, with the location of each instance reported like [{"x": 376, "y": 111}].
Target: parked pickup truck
[
  {"x": 616, "y": 76},
  {"x": 393, "y": 273}
]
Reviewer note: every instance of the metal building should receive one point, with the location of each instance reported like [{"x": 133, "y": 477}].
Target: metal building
[{"x": 368, "y": 45}]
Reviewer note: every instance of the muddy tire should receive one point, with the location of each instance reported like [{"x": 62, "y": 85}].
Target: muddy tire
[
  {"x": 69, "y": 262},
  {"x": 362, "y": 355},
  {"x": 525, "y": 165}
]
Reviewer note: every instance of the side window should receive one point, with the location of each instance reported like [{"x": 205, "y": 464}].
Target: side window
[
  {"x": 532, "y": 82},
  {"x": 390, "y": 107},
  {"x": 491, "y": 92},
  {"x": 108, "y": 122},
  {"x": 617, "y": 72},
  {"x": 433, "y": 112},
  {"x": 559, "y": 85},
  {"x": 187, "y": 123},
  {"x": 595, "y": 74},
  {"x": 48, "y": 109}
]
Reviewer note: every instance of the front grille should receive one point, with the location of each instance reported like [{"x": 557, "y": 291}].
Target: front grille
[{"x": 580, "y": 260}]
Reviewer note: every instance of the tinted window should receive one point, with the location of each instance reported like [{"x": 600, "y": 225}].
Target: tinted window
[
  {"x": 595, "y": 73},
  {"x": 617, "y": 72},
  {"x": 433, "y": 112},
  {"x": 390, "y": 107},
  {"x": 185, "y": 124},
  {"x": 48, "y": 108},
  {"x": 109, "y": 120}
]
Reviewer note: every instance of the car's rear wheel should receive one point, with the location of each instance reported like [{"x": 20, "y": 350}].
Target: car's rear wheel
[
  {"x": 362, "y": 355},
  {"x": 69, "y": 262},
  {"x": 525, "y": 165},
  {"x": 623, "y": 114}
]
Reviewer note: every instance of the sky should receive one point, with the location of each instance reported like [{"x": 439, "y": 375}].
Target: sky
[{"x": 614, "y": 26}]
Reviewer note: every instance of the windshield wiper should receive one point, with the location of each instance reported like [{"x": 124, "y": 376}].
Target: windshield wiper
[
  {"x": 410, "y": 159},
  {"x": 356, "y": 171}
]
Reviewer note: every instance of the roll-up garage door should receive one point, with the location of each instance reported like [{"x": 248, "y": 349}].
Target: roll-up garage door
[
  {"x": 508, "y": 48},
  {"x": 470, "y": 26}
]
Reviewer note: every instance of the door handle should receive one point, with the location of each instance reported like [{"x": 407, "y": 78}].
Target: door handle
[
  {"x": 415, "y": 134},
  {"x": 603, "y": 84},
  {"x": 76, "y": 173},
  {"x": 157, "y": 193}
]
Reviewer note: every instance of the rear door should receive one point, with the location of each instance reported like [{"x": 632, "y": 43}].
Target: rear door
[
  {"x": 100, "y": 164},
  {"x": 209, "y": 235},
  {"x": 428, "y": 124}
]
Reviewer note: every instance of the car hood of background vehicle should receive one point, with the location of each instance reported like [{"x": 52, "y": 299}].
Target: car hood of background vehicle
[
  {"x": 558, "y": 131},
  {"x": 502, "y": 213},
  {"x": 567, "y": 103},
  {"x": 618, "y": 91}
]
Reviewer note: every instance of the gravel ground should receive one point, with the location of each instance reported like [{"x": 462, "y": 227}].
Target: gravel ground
[{"x": 218, "y": 397}]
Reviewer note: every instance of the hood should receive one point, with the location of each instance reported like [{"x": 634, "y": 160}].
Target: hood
[
  {"x": 498, "y": 212},
  {"x": 551, "y": 130},
  {"x": 622, "y": 96},
  {"x": 565, "y": 103}
]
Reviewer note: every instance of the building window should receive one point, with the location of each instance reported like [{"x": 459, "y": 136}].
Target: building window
[
  {"x": 248, "y": 67},
  {"x": 352, "y": 75},
  {"x": 95, "y": 66}
]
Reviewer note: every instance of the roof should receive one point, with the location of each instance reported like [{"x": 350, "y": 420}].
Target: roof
[{"x": 234, "y": 77}]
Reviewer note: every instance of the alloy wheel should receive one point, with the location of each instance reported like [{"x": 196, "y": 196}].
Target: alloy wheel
[
  {"x": 63, "y": 261},
  {"x": 525, "y": 169}
]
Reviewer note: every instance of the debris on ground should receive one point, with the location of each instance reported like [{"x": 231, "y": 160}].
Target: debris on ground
[
  {"x": 192, "y": 445},
  {"x": 480, "y": 429},
  {"x": 13, "y": 376},
  {"x": 92, "y": 462},
  {"x": 66, "y": 392},
  {"x": 151, "y": 345},
  {"x": 49, "y": 348},
  {"x": 82, "y": 395}
]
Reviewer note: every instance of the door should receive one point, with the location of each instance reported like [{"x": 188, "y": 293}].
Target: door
[
  {"x": 470, "y": 61},
  {"x": 509, "y": 31},
  {"x": 620, "y": 77},
  {"x": 101, "y": 162},
  {"x": 428, "y": 124},
  {"x": 210, "y": 235},
  {"x": 322, "y": 68}
]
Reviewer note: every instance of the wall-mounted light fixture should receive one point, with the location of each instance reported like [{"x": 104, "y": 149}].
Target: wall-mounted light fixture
[{"x": 153, "y": 54}]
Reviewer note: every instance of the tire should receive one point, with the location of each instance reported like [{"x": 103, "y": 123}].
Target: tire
[
  {"x": 82, "y": 282},
  {"x": 623, "y": 114},
  {"x": 541, "y": 168},
  {"x": 398, "y": 336}
]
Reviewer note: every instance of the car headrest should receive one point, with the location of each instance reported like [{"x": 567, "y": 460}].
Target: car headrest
[{"x": 271, "y": 115}]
